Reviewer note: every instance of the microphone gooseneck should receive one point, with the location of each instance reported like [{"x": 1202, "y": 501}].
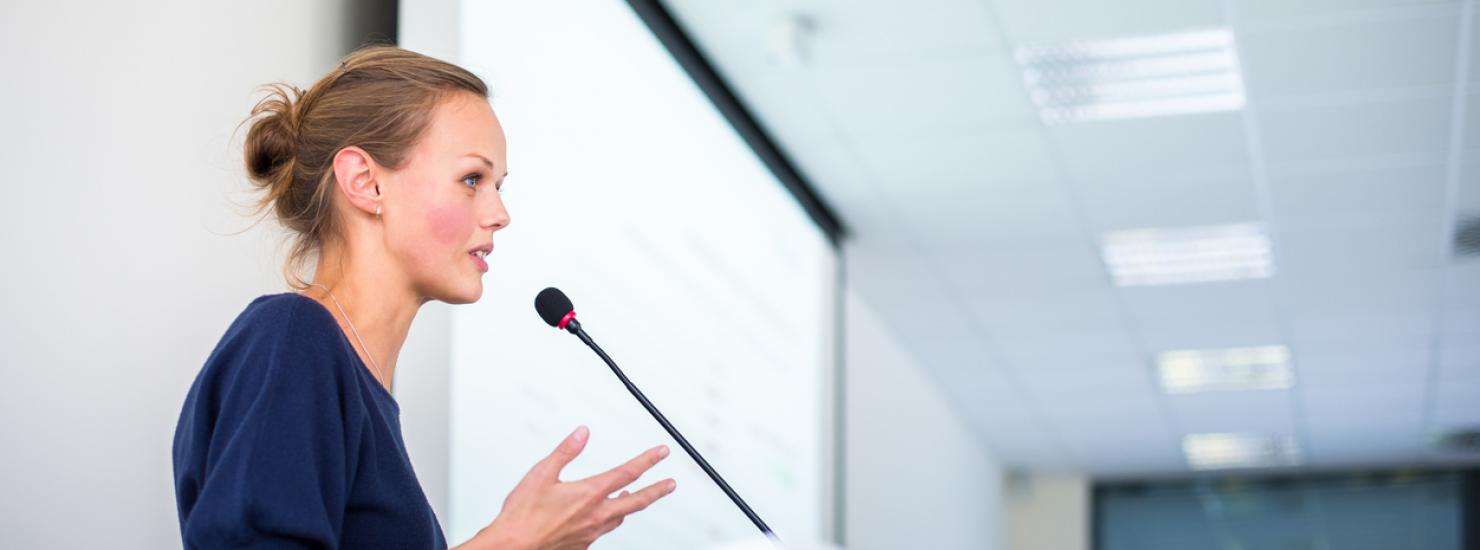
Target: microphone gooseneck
[{"x": 557, "y": 311}]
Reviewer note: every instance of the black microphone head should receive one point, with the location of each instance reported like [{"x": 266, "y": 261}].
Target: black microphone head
[{"x": 552, "y": 306}]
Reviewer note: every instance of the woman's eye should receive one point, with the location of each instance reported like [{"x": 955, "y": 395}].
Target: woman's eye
[{"x": 471, "y": 180}]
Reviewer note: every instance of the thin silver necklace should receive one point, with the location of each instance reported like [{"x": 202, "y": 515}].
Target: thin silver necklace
[{"x": 380, "y": 376}]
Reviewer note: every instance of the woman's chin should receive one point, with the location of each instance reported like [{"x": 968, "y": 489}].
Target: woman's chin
[
  {"x": 473, "y": 295},
  {"x": 463, "y": 293}
]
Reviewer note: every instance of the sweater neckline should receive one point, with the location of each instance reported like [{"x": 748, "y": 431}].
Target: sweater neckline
[{"x": 363, "y": 369}]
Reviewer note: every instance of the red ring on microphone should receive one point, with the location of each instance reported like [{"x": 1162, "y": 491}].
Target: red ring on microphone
[{"x": 566, "y": 320}]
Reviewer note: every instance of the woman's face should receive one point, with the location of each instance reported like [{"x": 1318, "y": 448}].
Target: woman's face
[{"x": 443, "y": 205}]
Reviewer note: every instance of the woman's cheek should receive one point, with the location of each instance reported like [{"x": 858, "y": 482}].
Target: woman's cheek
[{"x": 449, "y": 222}]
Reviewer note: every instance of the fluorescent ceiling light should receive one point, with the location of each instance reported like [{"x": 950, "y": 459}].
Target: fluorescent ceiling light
[
  {"x": 1200, "y": 370},
  {"x": 1161, "y": 256},
  {"x": 1213, "y": 451},
  {"x": 1168, "y": 74}
]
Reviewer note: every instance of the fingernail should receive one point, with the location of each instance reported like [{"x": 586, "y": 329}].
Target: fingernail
[
  {"x": 671, "y": 486},
  {"x": 662, "y": 451},
  {"x": 580, "y": 434}
]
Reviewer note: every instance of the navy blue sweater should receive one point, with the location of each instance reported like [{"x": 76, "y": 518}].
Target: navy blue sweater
[{"x": 287, "y": 441}]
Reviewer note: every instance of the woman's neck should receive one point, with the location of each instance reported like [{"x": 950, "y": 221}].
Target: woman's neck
[{"x": 379, "y": 308}]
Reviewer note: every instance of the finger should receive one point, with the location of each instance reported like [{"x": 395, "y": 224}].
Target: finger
[
  {"x": 636, "y": 502},
  {"x": 624, "y": 475},
  {"x": 567, "y": 451},
  {"x": 611, "y": 524}
]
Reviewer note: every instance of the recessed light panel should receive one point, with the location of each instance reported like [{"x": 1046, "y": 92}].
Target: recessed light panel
[
  {"x": 1179, "y": 255},
  {"x": 1229, "y": 369},
  {"x": 1145, "y": 76},
  {"x": 1213, "y": 451}
]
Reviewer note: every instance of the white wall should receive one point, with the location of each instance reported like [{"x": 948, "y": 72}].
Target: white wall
[
  {"x": 915, "y": 475},
  {"x": 121, "y": 268},
  {"x": 1048, "y": 512}
]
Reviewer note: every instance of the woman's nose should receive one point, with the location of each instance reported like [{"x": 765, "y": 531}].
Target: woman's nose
[{"x": 496, "y": 217}]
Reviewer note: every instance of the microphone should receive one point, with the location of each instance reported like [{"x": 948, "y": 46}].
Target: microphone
[{"x": 555, "y": 308}]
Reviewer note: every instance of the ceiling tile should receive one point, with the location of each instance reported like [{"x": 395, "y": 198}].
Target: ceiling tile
[
  {"x": 1049, "y": 312},
  {"x": 981, "y": 160},
  {"x": 1032, "y": 21},
  {"x": 1460, "y": 323},
  {"x": 1334, "y": 244},
  {"x": 1462, "y": 284},
  {"x": 1119, "y": 438},
  {"x": 988, "y": 221},
  {"x": 1393, "y": 330},
  {"x": 914, "y": 96},
  {"x": 1262, "y": 412},
  {"x": 1394, "y": 53},
  {"x": 1455, "y": 406},
  {"x": 1260, "y": 10},
  {"x": 1094, "y": 429},
  {"x": 1121, "y": 393},
  {"x": 1112, "y": 203},
  {"x": 1353, "y": 130},
  {"x": 990, "y": 391},
  {"x": 1363, "y": 446},
  {"x": 904, "y": 291},
  {"x": 963, "y": 372},
  {"x": 850, "y": 29},
  {"x": 741, "y": 33},
  {"x": 1358, "y": 293},
  {"x": 1015, "y": 436},
  {"x": 1472, "y": 114},
  {"x": 1355, "y": 410},
  {"x": 1401, "y": 370},
  {"x": 1130, "y": 457},
  {"x": 1474, "y": 40},
  {"x": 1065, "y": 351},
  {"x": 1214, "y": 332},
  {"x": 1334, "y": 223},
  {"x": 990, "y": 273},
  {"x": 1415, "y": 190},
  {"x": 1193, "y": 304},
  {"x": 1459, "y": 363},
  {"x": 960, "y": 362},
  {"x": 1131, "y": 148},
  {"x": 1468, "y": 202}
]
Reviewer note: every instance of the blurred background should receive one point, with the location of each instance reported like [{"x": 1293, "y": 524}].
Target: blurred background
[{"x": 1000, "y": 274}]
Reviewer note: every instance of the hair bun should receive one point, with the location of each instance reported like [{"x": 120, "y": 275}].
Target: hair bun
[{"x": 271, "y": 145}]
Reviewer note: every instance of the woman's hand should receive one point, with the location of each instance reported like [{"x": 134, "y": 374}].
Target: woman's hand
[{"x": 545, "y": 513}]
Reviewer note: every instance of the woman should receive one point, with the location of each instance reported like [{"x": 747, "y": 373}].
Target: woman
[{"x": 386, "y": 172}]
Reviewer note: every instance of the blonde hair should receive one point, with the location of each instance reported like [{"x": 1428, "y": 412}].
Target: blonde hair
[{"x": 380, "y": 99}]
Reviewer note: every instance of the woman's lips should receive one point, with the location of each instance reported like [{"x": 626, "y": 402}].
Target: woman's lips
[{"x": 479, "y": 253}]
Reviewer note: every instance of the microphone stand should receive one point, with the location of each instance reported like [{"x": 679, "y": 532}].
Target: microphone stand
[{"x": 575, "y": 328}]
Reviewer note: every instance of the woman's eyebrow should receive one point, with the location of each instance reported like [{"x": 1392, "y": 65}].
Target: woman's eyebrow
[
  {"x": 488, "y": 162},
  {"x": 482, "y": 158}
]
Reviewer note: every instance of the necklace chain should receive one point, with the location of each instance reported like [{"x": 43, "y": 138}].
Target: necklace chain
[{"x": 380, "y": 376}]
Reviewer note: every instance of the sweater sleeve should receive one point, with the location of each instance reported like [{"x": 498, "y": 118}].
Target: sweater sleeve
[{"x": 282, "y": 461}]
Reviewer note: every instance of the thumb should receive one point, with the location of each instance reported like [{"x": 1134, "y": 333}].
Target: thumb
[{"x": 567, "y": 451}]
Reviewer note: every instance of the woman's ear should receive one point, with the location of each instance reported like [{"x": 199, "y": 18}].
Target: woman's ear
[{"x": 355, "y": 173}]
